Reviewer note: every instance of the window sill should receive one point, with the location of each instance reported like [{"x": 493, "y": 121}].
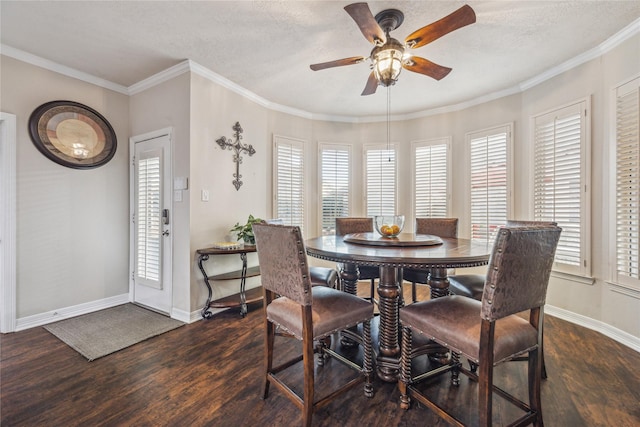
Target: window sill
[{"x": 574, "y": 278}]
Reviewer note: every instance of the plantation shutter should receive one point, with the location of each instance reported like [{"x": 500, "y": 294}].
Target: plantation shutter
[
  {"x": 628, "y": 183},
  {"x": 489, "y": 182},
  {"x": 148, "y": 218},
  {"x": 334, "y": 180},
  {"x": 380, "y": 181},
  {"x": 289, "y": 181},
  {"x": 431, "y": 180},
  {"x": 559, "y": 180}
]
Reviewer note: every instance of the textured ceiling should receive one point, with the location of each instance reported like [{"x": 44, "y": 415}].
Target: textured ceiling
[{"x": 266, "y": 47}]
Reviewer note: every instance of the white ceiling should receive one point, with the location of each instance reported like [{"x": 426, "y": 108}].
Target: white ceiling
[{"x": 266, "y": 47}]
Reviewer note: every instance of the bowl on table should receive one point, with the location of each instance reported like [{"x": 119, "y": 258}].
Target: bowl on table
[{"x": 389, "y": 225}]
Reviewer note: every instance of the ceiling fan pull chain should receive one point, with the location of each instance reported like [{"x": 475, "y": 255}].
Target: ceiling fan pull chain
[{"x": 389, "y": 122}]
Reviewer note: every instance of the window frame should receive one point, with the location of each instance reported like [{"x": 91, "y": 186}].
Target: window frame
[
  {"x": 615, "y": 276},
  {"x": 382, "y": 147},
  {"x": 415, "y": 145},
  {"x": 584, "y": 269},
  {"x": 334, "y": 146},
  {"x": 507, "y": 128},
  {"x": 301, "y": 144}
]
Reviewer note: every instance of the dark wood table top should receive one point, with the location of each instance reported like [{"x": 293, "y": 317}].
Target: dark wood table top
[{"x": 452, "y": 253}]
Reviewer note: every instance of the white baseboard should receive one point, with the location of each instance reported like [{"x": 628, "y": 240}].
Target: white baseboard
[
  {"x": 23, "y": 323},
  {"x": 195, "y": 316},
  {"x": 616, "y": 334},
  {"x": 89, "y": 307},
  {"x": 67, "y": 312}
]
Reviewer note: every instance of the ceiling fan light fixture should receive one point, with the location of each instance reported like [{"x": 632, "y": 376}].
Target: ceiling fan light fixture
[{"x": 387, "y": 62}]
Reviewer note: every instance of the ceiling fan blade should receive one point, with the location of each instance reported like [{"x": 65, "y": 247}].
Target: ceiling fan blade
[
  {"x": 361, "y": 13},
  {"x": 458, "y": 19},
  {"x": 371, "y": 86},
  {"x": 338, "y": 63},
  {"x": 426, "y": 67}
]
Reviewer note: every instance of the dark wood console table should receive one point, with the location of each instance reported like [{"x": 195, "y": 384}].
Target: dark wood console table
[{"x": 242, "y": 274}]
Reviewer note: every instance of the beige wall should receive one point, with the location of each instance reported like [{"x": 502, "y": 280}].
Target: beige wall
[
  {"x": 72, "y": 225},
  {"x": 201, "y": 111},
  {"x": 162, "y": 106},
  {"x": 214, "y": 111}
]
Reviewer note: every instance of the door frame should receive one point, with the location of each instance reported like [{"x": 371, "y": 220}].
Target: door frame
[
  {"x": 8, "y": 260},
  {"x": 132, "y": 207}
]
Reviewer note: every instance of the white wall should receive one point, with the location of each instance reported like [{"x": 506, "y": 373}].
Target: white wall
[{"x": 72, "y": 225}]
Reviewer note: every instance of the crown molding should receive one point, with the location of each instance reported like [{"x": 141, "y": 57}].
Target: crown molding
[
  {"x": 604, "y": 47},
  {"x": 158, "y": 78},
  {"x": 60, "y": 69}
]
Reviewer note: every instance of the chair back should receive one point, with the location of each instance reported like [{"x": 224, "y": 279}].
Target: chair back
[
  {"x": 283, "y": 261},
  {"x": 519, "y": 270},
  {"x": 348, "y": 225},
  {"x": 441, "y": 227}
]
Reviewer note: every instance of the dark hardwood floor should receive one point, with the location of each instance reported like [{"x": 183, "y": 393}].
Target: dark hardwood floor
[{"x": 209, "y": 374}]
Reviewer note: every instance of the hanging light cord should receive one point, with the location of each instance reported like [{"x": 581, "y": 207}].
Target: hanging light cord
[{"x": 389, "y": 122}]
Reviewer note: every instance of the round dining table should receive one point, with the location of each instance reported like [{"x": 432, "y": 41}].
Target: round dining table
[{"x": 391, "y": 255}]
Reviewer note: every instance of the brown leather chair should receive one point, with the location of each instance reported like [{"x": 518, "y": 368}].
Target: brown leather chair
[
  {"x": 348, "y": 225},
  {"x": 441, "y": 227},
  {"x": 320, "y": 276},
  {"x": 472, "y": 285},
  {"x": 307, "y": 313},
  {"x": 489, "y": 332}
]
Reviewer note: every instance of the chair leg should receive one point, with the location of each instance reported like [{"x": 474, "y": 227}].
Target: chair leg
[
  {"x": 535, "y": 373},
  {"x": 541, "y": 355},
  {"x": 485, "y": 376},
  {"x": 269, "y": 338},
  {"x": 405, "y": 369},
  {"x": 367, "y": 365},
  {"x": 372, "y": 291},
  {"x": 413, "y": 292},
  {"x": 308, "y": 362},
  {"x": 455, "y": 371}
]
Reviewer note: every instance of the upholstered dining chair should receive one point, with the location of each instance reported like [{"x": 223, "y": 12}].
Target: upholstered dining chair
[
  {"x": 348, "y": 225},
  {"x": 472, "y": 285},
  {"x": 320, "y": 276},
  {"x": 441, "y": 227},
  {"x": 489, "y": 332},
  {"x": 309, "y": 314}
]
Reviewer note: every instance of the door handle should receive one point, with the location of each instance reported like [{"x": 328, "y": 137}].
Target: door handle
[{"x": 165, "y": 216}]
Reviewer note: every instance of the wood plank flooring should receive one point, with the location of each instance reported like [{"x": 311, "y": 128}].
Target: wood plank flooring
[{"x": 209, "y": 374}]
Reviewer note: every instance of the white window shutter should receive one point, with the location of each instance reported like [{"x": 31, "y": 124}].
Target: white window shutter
[
  {"x": 380, "y": 180},
  {"x": 335, "y": 166},
  {"x": 628, "y": 183},
  {"x": 289, "y": 181},
  {"x": 148, "y": 217},
  {"x": 560, "y": 182},
  {"x": 431, "y": 180},
  {"x": 489, "y": 181}
]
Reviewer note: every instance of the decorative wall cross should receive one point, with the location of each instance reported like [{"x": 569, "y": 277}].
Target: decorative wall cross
[{"x": 237, "y": 147}]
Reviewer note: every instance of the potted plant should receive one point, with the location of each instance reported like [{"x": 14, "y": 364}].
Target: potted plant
[{"x": 245, "y": 231}]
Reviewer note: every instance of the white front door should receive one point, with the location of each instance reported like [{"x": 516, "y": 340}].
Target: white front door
[{"x": 151, "y": 222}]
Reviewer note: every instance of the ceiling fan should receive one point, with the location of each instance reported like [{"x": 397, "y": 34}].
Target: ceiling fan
[{"x": 389, "y": 56}]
